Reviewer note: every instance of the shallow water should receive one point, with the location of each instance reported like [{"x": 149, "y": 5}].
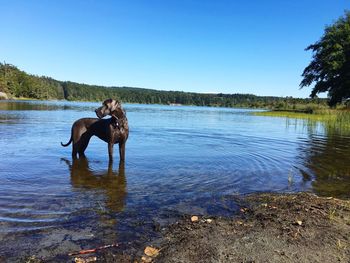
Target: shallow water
[{"x": 179, "y": 160}]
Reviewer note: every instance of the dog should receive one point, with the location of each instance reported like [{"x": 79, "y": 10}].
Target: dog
[{"x": 112, "y": 130}]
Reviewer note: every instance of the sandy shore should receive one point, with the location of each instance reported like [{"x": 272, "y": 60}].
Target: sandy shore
[{"x": 268, "y": 228}]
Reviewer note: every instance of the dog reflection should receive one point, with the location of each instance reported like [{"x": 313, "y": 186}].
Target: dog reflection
[{"x": 112, "y": 183}]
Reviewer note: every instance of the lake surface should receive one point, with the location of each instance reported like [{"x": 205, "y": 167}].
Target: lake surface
[{"x": 179, "y": 160}]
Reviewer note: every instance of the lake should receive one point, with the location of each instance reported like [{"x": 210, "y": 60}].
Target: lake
[{"x": 180, "y": 160}]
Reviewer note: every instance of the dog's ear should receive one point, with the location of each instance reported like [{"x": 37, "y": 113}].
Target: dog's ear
[
  {"x": 113, "y": 105},
  {"x": 105, "y": 102}
]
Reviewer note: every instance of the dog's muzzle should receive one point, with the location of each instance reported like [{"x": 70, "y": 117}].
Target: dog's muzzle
[{"x": 98, "y": 114}]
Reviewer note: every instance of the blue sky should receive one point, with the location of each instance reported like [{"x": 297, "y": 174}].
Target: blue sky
[{"x": 191, "y": 45}]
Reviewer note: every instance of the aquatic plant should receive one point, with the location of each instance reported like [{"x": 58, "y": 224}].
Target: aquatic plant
[{"x": 333, "y": 121}]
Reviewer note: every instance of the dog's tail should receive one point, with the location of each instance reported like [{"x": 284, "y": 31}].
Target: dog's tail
[{"x": 70, "y": 140}]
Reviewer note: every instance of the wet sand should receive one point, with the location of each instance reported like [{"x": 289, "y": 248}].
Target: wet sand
[{"x": 268, "y": 228}]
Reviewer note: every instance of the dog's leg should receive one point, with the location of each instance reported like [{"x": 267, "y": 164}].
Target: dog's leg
[
  {"x": 76, "y": 138},
  {"x": 122, "y": 151},
  {"x": 110, "y": 151},
  {"x": 74, "y": 150},
  {"x": 83, "y": 144}
]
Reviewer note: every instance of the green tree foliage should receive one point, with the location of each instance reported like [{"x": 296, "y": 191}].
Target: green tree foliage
[
  {"x": 330, "y": 66},
  {"x": 17, "y": 83}
]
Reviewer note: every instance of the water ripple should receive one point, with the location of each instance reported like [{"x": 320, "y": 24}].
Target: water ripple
[{"x": 179, "y": 160}]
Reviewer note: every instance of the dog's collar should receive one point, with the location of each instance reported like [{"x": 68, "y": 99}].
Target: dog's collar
[{"x": 115, "y": 122}]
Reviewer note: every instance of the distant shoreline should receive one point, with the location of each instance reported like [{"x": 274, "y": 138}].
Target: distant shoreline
[{"x": 15, "y": 83}]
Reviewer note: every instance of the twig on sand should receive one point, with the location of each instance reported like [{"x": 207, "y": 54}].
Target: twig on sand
[{"x": 93, "y": 250}]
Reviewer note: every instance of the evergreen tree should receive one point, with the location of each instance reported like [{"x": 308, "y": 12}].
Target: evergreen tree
[{"x": 330, "y": 66}]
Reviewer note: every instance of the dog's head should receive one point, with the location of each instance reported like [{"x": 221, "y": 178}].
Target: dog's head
[{"x": 110, "y": 107}]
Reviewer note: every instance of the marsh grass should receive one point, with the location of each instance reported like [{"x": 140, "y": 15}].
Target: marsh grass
[{"x": 337, "y": 120}]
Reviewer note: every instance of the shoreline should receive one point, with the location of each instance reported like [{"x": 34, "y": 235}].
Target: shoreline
[
  {"x": 269, "y": 227},
  {"x": 23, "y": 99},
  {"x": 317, "y": 114}
]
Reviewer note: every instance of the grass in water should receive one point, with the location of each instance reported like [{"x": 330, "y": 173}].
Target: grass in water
[{"x": 333, "y": 120}]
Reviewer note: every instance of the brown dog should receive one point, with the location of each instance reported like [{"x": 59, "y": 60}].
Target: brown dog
[{"x": 113, "y": 130}]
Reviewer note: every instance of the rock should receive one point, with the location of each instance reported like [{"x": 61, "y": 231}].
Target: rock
[
  {"x": 243, "y": 209},
  {"x": 3, "y": 96}
]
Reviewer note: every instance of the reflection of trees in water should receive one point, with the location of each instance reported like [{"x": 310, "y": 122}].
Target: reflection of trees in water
[
  {"x": 327, "y": 156},
  {"x": 26, "y": 105},
  {"x": 40, "y": 106},
  {"x": 112, "y": 183}
]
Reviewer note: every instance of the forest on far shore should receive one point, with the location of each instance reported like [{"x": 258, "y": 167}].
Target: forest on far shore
[{"x": 19, "y": 84}]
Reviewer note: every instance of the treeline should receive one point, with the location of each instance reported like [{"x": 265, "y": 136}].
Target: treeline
[{"x": 16, "y": 83}]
